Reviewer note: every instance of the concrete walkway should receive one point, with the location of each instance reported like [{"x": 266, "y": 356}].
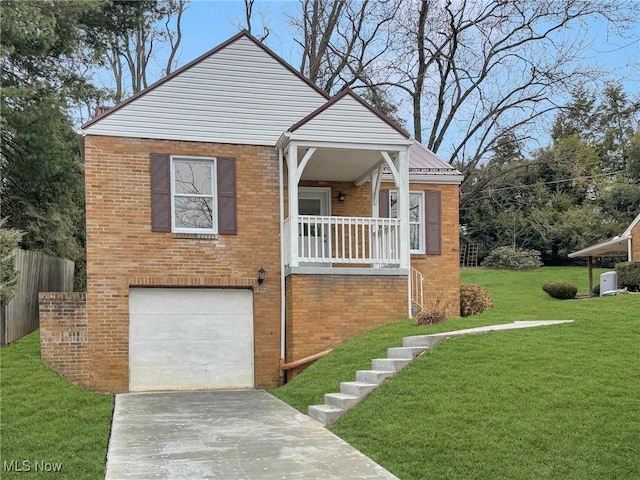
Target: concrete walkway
[
  {"x": 351, "y": 393},
  {"x": 434, "y": 338},
  {"x": 226, "y": 435}
]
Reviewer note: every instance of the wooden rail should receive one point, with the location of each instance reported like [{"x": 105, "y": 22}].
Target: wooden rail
[{"x": 324, "y": 240}]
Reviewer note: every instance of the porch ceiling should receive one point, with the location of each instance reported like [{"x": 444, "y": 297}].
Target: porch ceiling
[{"x": 339, "y": 165}]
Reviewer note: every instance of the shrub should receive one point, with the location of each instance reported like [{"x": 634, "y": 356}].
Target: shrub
[
  {"x": 474, "y": 299},
  {"x": 509, "y": 258},
  {"x": 561, "y": 290},
  {"x": 629, "y": 275},
  {"x": 596, "y": 290},
  {"x": 434, "y": 312}
]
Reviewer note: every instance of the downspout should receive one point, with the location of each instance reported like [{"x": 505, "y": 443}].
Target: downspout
[
  {"x": 629, "y": 253},
  {"x": 282, "y": 376}
]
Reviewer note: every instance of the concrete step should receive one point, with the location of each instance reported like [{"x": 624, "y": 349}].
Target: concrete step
[
  {"x": 405, "y": 352},
  {"x": 397, "y": 357},
  {"x": 357, "y": 389},
  {"x": 426, "y": 341},
  {"x": 390, "y": 364},
  {"x": 373, "y": 376},
  {"x": 325, "y": 414},
  {"x": 343, "y": 401}
]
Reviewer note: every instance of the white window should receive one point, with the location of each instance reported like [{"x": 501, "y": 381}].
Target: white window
[
  {"x": 416, "y": 218},
  {"x": 193, "y": 195}
]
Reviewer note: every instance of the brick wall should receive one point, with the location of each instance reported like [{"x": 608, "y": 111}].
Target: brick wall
[
  {"x": 324, "y": 310},
  {"x": 441, "y": 272},
  {"x": 122, "y": 251},
  {"x": 64, "y": 333},
  {"x": 635, "y": 243}
]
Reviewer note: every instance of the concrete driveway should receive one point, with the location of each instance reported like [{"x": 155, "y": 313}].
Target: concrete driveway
[{"x": 226, "y": 435}]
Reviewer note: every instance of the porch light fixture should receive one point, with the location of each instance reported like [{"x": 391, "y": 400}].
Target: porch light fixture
[
  {"x": 341, "y": 197},
  {"x": 261, "y": 273}
]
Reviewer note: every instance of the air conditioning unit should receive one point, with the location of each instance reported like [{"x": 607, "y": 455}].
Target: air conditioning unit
[{"x": 608, "y": 283}]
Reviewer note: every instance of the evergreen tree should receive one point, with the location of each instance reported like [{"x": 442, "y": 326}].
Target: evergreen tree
[{"x": 42, "y": 45}]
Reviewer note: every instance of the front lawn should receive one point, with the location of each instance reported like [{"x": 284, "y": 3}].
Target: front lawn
[
  {"x": 557, "y": 402},
  {"x": 45, "y": 420}
]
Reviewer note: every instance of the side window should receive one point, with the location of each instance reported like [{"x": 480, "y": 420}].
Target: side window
[
  {"x": 194, "y": 195},
  {"x": 416, "y": 218}
]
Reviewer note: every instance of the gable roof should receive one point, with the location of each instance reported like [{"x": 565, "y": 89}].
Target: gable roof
[
  {"x": 616, "y": 246},
  {"x": 239, "y": 92},
  {"x": 243, "y": 33},
  {"x": 347, "y": 92}
]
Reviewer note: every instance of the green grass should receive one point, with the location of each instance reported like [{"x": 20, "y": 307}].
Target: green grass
[
  {"x": 558, "y": 402},
  {"x": 44, "y": 418}
]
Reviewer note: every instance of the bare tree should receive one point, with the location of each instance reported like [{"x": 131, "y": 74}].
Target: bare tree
[
  {"x": 475, "y": 71},
  {"x": 131, "y": 35},
  {"x": 342, "y": 40},
  {"x": 248, "y": 23},
  {"x": 174, "y": 34}
]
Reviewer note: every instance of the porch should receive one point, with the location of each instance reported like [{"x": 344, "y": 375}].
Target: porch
[
  {"x": 357, "y": 240},
  {"x": 345, "y": 142},
  {"x": 360, "y": 234}
]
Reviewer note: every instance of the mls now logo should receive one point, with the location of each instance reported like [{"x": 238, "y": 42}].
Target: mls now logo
[{"x": 28, "y": 466}]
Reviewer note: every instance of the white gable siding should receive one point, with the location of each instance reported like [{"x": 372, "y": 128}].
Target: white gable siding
[
  {"x": 348, "y": 121},
  {"x": 240, "y": 94}
]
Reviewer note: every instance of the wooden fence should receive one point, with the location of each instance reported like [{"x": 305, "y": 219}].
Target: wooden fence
[{"x": 37, "y": 273}]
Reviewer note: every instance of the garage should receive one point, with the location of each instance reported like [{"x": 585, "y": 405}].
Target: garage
[{"x": 190, "y": 339}]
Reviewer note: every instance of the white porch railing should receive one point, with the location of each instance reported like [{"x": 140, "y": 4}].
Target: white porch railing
[
  {"x": 326, "y": 240},
  {"x": 417, "y": 288}
]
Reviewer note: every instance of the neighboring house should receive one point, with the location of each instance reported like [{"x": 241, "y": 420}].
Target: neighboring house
[
  {"x": 626, "y": 245},
  {"x": 238, "y": 219}
]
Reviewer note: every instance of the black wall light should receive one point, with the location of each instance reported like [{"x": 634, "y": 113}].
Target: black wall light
[
  {"x": 341, "y": 197},
  {"x": 261, "y": 274}
]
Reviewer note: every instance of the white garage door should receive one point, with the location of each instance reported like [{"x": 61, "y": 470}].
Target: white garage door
[{"x": 189, "y": 339}]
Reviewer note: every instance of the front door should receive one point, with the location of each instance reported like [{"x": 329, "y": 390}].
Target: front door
[{"x": 314, "y": 235}]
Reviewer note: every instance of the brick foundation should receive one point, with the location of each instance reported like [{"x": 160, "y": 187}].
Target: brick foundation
[
  {"x": 324, "y": 310},
  {"x": 64, "y": 333}
]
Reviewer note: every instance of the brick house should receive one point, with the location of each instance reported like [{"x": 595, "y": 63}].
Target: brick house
[{"x": 239, "y": 219}]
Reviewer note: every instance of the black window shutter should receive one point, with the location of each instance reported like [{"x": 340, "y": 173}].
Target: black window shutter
[
  {"x": 383, "y": 204},
  {"x": 433, "y": 222},
  {"x": 227, "y": 216},
  {"x": 160, "y": 169}
]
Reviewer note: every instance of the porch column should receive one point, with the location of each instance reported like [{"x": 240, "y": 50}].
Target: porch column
[
  {"x": 292, "y": 177},
  {"x": 403, "y": 209},
  {"x": 403, "y": 215},
  {"x": 400, "y": 171}
]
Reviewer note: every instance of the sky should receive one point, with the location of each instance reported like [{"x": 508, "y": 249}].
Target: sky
[{"x": 208, "y": 23}]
